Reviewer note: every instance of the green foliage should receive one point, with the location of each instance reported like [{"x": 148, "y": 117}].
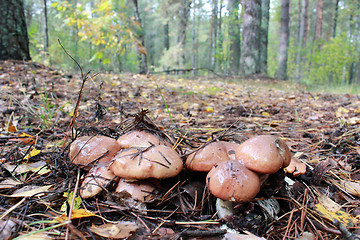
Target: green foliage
[
  {"x": 332, "y": 61},
  {"x": 48, "y": 112}
]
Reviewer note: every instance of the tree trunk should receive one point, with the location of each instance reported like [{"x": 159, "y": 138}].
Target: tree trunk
[
  {"x": 335, "y": 18},
  {"x": 265, "y": 5},
  {"x": 250, "y": 47},
  {"x": 193, "y": 39},
  {"x": 166, "y": 36},
  {"x": 234, "y": 35},
  {"x": 143, "y": 68},
  {"x": 14, "y": 41},
  {"x": 213, "y": 34},
  {"x": 46, "y": 34},
  {"x": 184, "y": 16},
  {"x": 301, "y": 38},
  {"x": 281, "y": 72},
  {"x": 319, "y": 20}
]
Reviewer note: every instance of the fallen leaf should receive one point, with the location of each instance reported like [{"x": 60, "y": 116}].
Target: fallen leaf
[
  {"x": 32, "y": 153},
  {"x": 39, "y": 167},
  {"x": 69, "y": 196},
  {"x": 331, "y": 210},
  {"x": 341, "y": 111},
  {"x": 75, "y": 214},
  {"x": 238, "y": 236},
  {"x": 9, "y": 183},
  {"x": 32, "y": 236},
  {"x": 30, "y": 190},
  {"x": 116, "y": 231},
  {"x": 209, "y": 109}
]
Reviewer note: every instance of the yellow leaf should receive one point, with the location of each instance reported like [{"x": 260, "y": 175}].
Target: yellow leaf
[
  {"x": 331, "y": 211},
  {"x": 68, "y": 201},
  {"x": 39, "y": 167},
  {"x": 209, "y": 109},
  {"x": 32, "y": 153},
  {"x": 75, "y": 214},
  {"x": 341, "y": 112},
  {"x": 265, "y": 114}
]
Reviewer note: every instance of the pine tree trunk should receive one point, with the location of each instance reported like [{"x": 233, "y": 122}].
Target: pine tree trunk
[
  {"x": 166, "y": 36},
  {"x": 319, "y": 20},
  {"x": 301, "y": 38},
  {"x": 250, "y": 47},
  {"x": 265, "y": 5},
  {"x": 234, "y": 35},
  {"x": 335, "y": 18},
  {"x": 46, "y": 34},
  {"x": 213, "y": 34},
  {"x": 14, "y": 41},
  {"x": 281, "y": 72},
  {"x": 184, "y": 17},
  {"x": 193, "y": 39},
  {"x": 143, "y": 68}
]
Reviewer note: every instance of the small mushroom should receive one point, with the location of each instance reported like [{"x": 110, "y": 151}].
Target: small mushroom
[
  {"x": 231, "y": 149},
  {"x": 296, "y": 167},
  {"x": 264, "y": 154},
  {"x": 157, "y": 161},
  {"x": 96, "y": 180},
  {"x": 88, "y": 150},
  {"x": 205, "y": 158},
  {"x": 139, "y": 138},
  {"x": 232, "y": 181},
  {"x": 138, "y": 190}
]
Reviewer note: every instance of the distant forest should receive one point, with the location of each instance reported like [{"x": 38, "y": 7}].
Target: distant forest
[{"x": 306, "y": 41}]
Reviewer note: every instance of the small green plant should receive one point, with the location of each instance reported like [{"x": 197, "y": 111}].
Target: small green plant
[{"x": 48, "y": 112}]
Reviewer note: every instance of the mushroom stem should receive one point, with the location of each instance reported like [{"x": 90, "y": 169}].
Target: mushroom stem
[{"x": 224, "y": 208}]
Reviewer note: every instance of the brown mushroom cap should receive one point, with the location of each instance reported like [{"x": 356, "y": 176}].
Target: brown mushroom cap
[
  {"x": 139, "y": 138},
  {"x": 90, "y": 149},
  {"x": 139, "y": 190},
  {"x": 231, "y": 149},
  {"x": 232, "y": 181},
  {"x": 205, "y": 158},
  {"x": 296, "y": 167},
  {"x": 264, "y": 154},
  {"x": 96, "y": 180},
  {"x": 155, "y": 162}
]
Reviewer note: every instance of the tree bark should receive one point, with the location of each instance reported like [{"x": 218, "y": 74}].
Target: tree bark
[
  {"x": 46, "y": 34},
  {"x": 265, "y": 5},
  {"x": 166, "y": 36},
  {"x": 234, "y": 35},
  {"x": 14, "y": 41},
  {"x": 250, "y": 47},
  {"x": 335, "y": 18},
  {"x": 281, "y": 72},
  {"x": 213, "y": 34},
  {"x": 301, "y": 37},
  {"x": 319, "y": 20},
  {"x": 184, "y": 17},
  {"x": 143, "y": 68}
]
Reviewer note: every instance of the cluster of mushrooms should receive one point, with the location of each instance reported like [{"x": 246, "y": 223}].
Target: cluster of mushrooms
[
  {"x": 236, "y": 172},
  {"x": 129, "y": 160}
]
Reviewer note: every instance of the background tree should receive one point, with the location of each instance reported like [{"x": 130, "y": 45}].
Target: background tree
[
  {"x": 143, "y": 68},
  {"x": 264, "y": 29},
  {"x": 249, "y": 61},
  {"x": 184, "y": 17},
  {"x": 234, "y": 36},
  {"x": 281, "y": 72},
  {"x": 14, "y": 42}
]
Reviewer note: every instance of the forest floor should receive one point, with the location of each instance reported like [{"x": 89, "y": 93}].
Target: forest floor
[{"x": 37, "y": 179}]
